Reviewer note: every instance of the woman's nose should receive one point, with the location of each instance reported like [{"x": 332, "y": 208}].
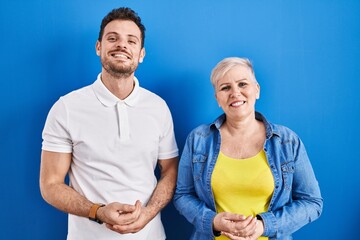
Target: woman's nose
[{"x": 235, "y": 92}]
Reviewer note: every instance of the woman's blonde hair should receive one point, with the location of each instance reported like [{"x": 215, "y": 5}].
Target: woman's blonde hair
[{"x": 227, "y": 64}]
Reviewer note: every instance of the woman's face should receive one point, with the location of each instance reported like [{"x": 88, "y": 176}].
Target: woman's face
[{"x": 237, "y": 92}]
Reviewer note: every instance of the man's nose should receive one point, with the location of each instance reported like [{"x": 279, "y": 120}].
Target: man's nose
[{"x": 121, "y": 43}]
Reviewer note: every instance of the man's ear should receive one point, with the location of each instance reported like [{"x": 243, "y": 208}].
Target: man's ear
[
  {"x": 97, "y": 47},
  {"x": 142, "y": 55}
]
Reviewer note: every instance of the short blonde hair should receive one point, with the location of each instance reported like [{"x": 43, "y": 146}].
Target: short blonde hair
[{"x": 226, "y": 65}]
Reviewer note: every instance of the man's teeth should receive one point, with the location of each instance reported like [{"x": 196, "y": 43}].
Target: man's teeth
[
  {"x": 120, "y": 56},
  {"x": 235, "y": 104}
]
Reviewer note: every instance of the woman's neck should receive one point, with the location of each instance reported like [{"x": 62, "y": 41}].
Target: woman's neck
[{"x": 243, "y": 127}]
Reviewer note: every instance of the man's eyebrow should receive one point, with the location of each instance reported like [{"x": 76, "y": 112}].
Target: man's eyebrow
[
  {"x": 111, "y": 33},
  {"x": 129, "y": 35}
]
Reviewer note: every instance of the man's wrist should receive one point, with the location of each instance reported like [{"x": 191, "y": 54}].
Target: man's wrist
[{"x": 93, "y": 212}]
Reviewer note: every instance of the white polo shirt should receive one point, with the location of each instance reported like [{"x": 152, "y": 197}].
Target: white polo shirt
[{"x": 115, "y": 146}]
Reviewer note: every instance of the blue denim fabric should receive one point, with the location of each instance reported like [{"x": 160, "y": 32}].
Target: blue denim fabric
[{"x": 296, "y": 200}]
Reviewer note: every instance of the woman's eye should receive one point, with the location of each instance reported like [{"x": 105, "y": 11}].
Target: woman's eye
[
  {"x": 226, "y": 88},
  {"x": 242, "y": 84}
]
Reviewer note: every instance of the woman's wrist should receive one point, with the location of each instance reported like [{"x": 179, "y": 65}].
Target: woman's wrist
[
  {"x": 260, "y": 226},
  {"x": 216, "y": 232}
]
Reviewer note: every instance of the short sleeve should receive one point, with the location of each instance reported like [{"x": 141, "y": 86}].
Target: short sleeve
[
  {"x": 167, "y": 145},
  {"x": 55, "y": 135}
]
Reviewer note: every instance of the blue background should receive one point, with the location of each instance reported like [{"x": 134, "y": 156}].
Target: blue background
[{"x": 305, "y": 55}]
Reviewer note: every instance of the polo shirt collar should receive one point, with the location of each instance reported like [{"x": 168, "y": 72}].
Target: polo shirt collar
[{"x": 108, "y": 99}]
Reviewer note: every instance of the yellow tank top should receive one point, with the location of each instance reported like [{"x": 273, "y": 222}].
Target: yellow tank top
[{"x": 242, "y": 186}]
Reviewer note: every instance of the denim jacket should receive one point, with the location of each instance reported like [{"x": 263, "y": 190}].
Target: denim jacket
[{"x": 296, "y": 199}]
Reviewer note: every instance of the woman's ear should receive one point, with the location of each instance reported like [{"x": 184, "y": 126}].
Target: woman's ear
[
  {"x": 258, "y": 92},
  {"x": 215, "y": 95}
]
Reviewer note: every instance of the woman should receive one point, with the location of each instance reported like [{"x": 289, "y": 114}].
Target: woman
[{"x": 242, "y": 177}]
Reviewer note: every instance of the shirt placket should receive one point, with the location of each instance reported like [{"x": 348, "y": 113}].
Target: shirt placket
[{"x": 123, "y": 121}]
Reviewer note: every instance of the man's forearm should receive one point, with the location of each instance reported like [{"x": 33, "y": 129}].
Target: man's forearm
[
  {"x": 66, "y": 199},
  {"x": 53, "y": 170},
  {"x": 162, "y": 195},
  {"x": 165, "y": 188}
]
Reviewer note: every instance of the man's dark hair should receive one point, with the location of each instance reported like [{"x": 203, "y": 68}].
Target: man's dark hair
[{"x": 123, "y": 13}]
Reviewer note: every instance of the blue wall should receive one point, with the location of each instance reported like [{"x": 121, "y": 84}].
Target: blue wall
[{"x": 305, "y": 55}]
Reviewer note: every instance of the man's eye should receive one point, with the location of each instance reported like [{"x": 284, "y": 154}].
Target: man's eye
[
  {"x": 242, "y": 84},
  {"x": 132, "y": 42},
  {"x": 112, "y": 39}
]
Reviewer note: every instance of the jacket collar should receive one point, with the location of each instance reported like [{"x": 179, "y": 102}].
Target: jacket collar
[{"x": 270, "y": 128}]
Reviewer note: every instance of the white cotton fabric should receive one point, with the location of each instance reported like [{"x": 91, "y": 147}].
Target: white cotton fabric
[{"x": 115, "y": 146}]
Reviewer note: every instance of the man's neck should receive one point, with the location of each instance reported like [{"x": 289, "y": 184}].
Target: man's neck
[{"x": 121, "y": 87}]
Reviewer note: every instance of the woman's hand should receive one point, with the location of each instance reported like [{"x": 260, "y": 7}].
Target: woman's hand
[
  {"x": 259, "y": 230},
  {"x": 235, "y": 226}
]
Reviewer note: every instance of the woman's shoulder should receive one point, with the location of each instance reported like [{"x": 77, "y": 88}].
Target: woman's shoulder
[
  {"x": 282, "y": 128},
  {"x": 201, "y": 130},
  {"x": 207, "y": 130},
  {"x": 285, "y": 133},
  {"x": 279, "y": 130}
]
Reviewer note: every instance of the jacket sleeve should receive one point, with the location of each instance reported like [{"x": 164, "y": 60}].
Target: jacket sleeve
[
  {"x": 305, "y": 203},
  {"x": 186, "y": 199}
]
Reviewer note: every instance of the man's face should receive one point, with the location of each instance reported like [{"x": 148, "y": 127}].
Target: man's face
[{"x": 120, "y": 48}]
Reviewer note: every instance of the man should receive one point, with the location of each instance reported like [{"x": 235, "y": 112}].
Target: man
[{"x": 109, "y": 137}]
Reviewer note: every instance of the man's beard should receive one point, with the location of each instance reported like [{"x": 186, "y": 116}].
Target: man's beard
[{"x": 118, "y": 71}]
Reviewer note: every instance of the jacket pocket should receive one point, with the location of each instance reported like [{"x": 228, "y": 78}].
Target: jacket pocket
[
  {"x": 288, "y": 170},
  {"x": 198, "y": 165}
]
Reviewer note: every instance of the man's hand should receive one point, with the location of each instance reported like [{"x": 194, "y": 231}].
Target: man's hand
[
  {"x": 119, "y": 213},
  {"x": 135, "y": 226},
  {"x": 161, "y": 196}
]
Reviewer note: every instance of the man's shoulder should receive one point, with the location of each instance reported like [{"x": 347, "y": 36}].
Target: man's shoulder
[
  {"x": 78, "y": 94},
  {"x": 150, "y": 97}
]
